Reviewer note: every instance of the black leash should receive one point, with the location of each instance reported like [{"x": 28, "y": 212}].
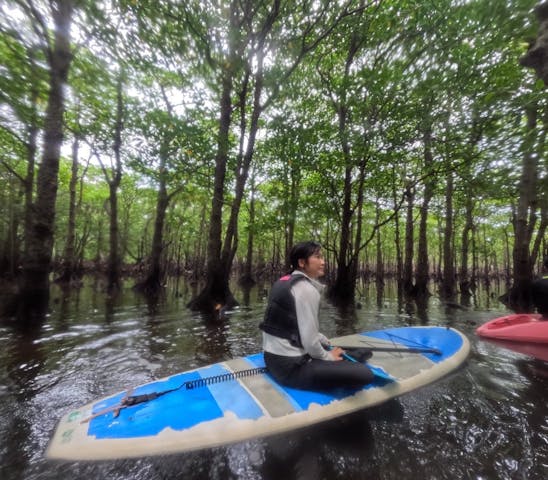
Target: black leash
[{"x": 130, "y": 400}]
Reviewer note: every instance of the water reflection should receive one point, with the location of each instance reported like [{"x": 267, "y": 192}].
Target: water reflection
[
  {"x": 212, "y": 344},
  {"x": 492, "y": 413},
  {"x": 536, "y": 410},
  {"x": 24, "y": 362}
]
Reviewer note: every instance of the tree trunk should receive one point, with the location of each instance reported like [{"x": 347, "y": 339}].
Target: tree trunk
[
  {"x": 69, "y": 263},
  {"x": 340, "y": 292},
  {"x": 476, "y": 133},
  {"x": 537, "y": 54},
  {"x": 409, "y": 241},
  {"x": 525, "y": 218},
  {"x": 292, "y": 203},
  {"x": 10, "y": 251},
  {"x": 343, "y": 289},
  {"x": 359, "y": 226},
  {"x": 216, "y": 293},
  {"x": 246, "y": 47},
  {"x": 464, "y": 276},
  {"x": 397, "y": 241},
  {"x": 114, "y": 261},
  {"x": 32, "y": 148},
  {"x": 231, "y": 236},
  {"x": 486, "y": 268},
  {"x": 448, "y": 278},
  {"x": 216, "y": 290},
  {"x": 247, "y": 277},
  {"x": 540, "y": 249},
  {"x": 379, "y": 265},
  {"x": 475, "y": 261},
  {"x": 99, "y": 242},
  {"x": 422, "y": 270},
  {"x": 34, "y": 286},
  {"x": 155, "y": 274}
]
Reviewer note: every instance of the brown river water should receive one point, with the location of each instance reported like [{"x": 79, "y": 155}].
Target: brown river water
[{"x": 488, "y": 420}]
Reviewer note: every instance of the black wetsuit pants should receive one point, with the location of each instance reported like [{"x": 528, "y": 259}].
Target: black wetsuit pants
[{"x": 312, "y": 374}]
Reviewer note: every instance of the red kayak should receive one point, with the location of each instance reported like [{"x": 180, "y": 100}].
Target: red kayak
[
  {"x": 521, "y": 327},
  {"x": 536, "y": 350}
]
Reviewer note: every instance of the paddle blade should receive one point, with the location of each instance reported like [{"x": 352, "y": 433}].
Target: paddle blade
[{"x": 380, "y": 373}]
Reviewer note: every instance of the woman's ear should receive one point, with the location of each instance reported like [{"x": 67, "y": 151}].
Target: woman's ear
[{"x": 302, "y": 262}]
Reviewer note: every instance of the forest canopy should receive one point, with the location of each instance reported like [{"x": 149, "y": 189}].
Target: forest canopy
[{"x": 205, "y": 137}]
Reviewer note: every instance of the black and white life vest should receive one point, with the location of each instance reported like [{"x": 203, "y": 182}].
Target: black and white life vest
[{"x": 280, "y": 318}]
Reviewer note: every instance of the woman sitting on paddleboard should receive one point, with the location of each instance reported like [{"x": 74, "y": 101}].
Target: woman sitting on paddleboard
[{"x": 295, "y": 352}]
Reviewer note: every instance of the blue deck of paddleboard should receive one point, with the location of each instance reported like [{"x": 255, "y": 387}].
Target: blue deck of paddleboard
[
  {"x": 446, "y": 341},
  {"x": 178, "y": 410},
  {"x": 186, "y": 408}
]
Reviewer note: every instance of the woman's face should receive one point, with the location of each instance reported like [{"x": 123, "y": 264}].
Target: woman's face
[{"x": 313, "y": 266}]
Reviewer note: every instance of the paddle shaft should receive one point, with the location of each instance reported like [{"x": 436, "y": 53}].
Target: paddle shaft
[{"x": 399, "y": 349}]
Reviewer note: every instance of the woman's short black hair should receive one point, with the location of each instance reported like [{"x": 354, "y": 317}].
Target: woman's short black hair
[{"x": 302, "y": 250}]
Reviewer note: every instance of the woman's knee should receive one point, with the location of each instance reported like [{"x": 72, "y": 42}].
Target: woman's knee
[{"x": 358, "y": 374}]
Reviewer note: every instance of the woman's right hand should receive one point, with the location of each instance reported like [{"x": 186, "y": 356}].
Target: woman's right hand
[{"x": 337, "y": 353}]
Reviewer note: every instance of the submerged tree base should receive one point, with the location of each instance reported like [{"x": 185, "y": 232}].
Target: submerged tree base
[
  {"x": 518, "y": 299},
  {"x": 247, "y": 281},
  {"x": 150, "y": 286},
  {"x": 69, "y": 279},
  {"x": 26, "y": 308},
  {"x": 213, "y": 303}
]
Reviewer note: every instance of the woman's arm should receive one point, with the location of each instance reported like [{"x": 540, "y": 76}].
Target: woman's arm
[{"x": 307, "y": 303}]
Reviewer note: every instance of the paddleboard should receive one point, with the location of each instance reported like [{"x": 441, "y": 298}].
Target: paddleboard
[
  {"x": 237, "y": 400},
  {"x": 521, "y": 327}
]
